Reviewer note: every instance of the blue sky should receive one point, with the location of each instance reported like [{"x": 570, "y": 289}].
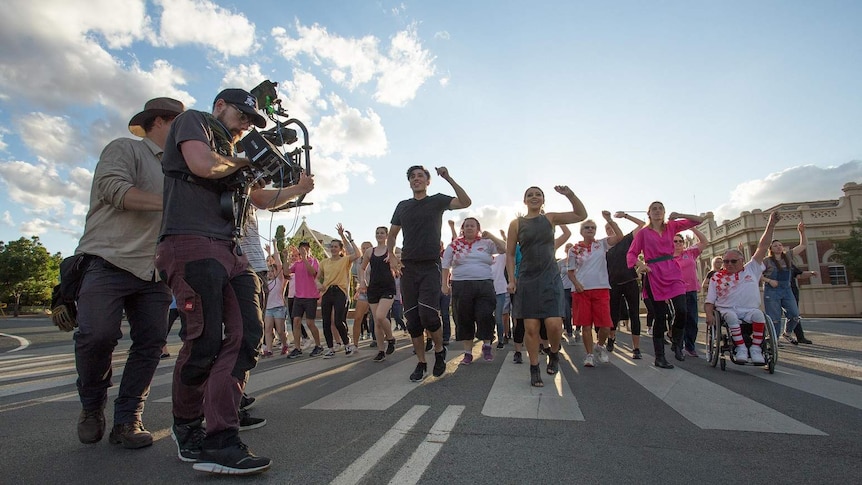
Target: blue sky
[{"x": 707, "y": 106}]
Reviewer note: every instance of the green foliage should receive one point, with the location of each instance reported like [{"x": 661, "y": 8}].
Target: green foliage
[
  {"x": 316, "y": 250},
  {"x": 27, "y": 272},
  {"x": 279, "y": 238},
  {"x": 849, "y": 251}
]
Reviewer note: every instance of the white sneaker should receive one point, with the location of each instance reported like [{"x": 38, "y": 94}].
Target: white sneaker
[
  {"x": 337, "y": 347},
  {"x": 329, "y": 354},
  {"x": 602, "y": 354},
  {"x": 349, "y": 350},
  {"x": 741, "y": 353},
  {"x": 649, "y": 331},
  {"x": 589, "y": 361},
  {"x": 305, "y": 343},
  {"x": 756, "y": 355}
]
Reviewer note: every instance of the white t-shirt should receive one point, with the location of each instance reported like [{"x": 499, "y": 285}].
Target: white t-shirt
[
  {"x": 590, "y": 264},
  {"x": 736, "y": 291},
  {"x": 498, "y": 271},
  {"x": 470, "y": 262}
]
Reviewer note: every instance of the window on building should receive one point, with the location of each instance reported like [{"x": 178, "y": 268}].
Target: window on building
[{"x": 837, "y": 275}]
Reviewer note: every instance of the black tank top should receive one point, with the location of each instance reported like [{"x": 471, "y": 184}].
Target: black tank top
[{"x": 381, "y": 276}]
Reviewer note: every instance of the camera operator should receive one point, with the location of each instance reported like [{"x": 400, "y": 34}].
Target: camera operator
[
  {"x": 216, "y": 290},
  {"x": 118, "y": 243}
]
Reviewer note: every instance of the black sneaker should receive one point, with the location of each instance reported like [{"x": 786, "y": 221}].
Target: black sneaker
[
  {"x": 373, "y": 344},
  {"x": 419, "y": 373},
  {"x": 636, "y": 354},
  {"x": 429, "y": 344},
  {"x": 380, "y": 357},
  {"x": 294, "y": 353},
  {"x": 439, "y": 363},
  {"x": 500, "y": 345},
  {"x": 316, "y": 351},
  {"x": 390, "y": 346},
  {"x": 188, "y": 438},
  {"x": 247, "y": 422},
  {"x": 246, "y": 402},
  {"x": 232, "y": 460},
  {"x": 518, "y": 359},
  {"x": 610, "y": 346},
  {"x": 91, "y": 426}
]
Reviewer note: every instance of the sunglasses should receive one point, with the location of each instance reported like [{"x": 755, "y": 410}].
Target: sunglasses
[
  {"x": 243, "y": 117},
  {"x": 589, "y": 227},
  {"x": 678, "y": 241},
  {"x": 732, "y": 261}
]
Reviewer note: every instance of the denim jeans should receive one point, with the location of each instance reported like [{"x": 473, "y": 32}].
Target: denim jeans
[
  {"x": 691, "y": 317},
  {"x": 774, "y": 299},
  {"x": 105, "y": 292},
  {"x": 498, "y": 315}
]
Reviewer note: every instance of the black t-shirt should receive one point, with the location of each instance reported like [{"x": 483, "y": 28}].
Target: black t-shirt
[
  {"x": 191, "y": 208},
  {"x": 618, "y": 270},
  {"x": 421, "y": 221}
]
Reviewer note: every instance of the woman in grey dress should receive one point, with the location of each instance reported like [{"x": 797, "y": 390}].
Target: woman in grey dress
[{"x": 538, "y": 290}]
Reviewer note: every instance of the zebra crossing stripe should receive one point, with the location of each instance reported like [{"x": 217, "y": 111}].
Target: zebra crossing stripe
[
  {"x": 377, "y": 392},
  {"x": 412, "y": 471},
  {"x": 358, "y": 469},
  {"x": 708, "y": 405},
  {"x": 512, "y": 396},
  {"x": 832, "y": 389}
]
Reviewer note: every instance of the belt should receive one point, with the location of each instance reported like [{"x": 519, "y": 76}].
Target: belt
[{"x": 660, "y": 258}]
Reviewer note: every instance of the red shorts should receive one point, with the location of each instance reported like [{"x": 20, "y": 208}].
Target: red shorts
[{"x": 592, "y": 308}]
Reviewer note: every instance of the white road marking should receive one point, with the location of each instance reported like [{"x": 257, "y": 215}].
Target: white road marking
[
  {"x": 412, "y": 471},
  {"x": 22, "y": 342},
  {"x": 512, "y": 396},
  {"x": 708, "y": 405},
  {"x": 359, "y": 468},
  {"x": 832, "y": 389}
]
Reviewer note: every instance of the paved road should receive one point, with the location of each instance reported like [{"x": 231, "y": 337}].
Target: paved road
[{"x": 349, "y": 420}]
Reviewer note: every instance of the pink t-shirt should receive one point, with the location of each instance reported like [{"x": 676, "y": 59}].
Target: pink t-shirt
[
  {"x": 275, "y": 295},
  {"x": 687, "y": 262},
  {"x": 304, "y": 283},
  {"x": 665, "y": 277}
]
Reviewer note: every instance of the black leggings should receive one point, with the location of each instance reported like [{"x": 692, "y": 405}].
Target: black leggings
[
  {"x": 334, "y": 301},
  {"x": 665, "y": 308},
  {"x": 626, "y": 294}
]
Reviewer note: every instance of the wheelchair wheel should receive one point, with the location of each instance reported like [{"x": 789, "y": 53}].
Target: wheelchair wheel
[
  {"x": 770, "y": 344},
  {"x": 713, "y": 340}
]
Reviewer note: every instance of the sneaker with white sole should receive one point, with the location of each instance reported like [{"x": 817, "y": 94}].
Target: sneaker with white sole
[
  {"x": 756, "y": 355},
  {"x": 316, "y": 351},
  {"x": 589, "y": 361},
  {"x": 741, "y": 354},
  {"x": 602, "y": 354},
  {"x": 466, "y": 360},
  {"x": 349, "y": 350},
  {"x": 305, "y": 343},
  {"x": 330, "y": 353},
  {"x": 233, "y": 459}
]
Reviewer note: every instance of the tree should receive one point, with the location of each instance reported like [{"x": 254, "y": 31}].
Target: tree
[
  {"x": 27, "y": 272},
  {"x": 279, "y": 237},
  {"x": 849, "y": 251}
]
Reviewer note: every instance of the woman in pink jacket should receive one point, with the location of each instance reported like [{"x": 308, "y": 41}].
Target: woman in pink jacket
[{"x": 666, "y": 287}]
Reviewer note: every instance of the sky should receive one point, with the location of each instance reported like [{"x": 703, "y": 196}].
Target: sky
[{"x": 718, "y": 107}]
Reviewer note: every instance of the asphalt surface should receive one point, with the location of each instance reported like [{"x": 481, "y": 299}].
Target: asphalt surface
[{"x": 350, "y": 420}]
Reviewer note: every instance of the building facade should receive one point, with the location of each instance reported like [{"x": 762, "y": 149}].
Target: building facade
[{"x": 827, "y": 294}]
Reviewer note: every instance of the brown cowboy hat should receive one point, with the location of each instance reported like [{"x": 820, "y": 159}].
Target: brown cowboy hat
[{"x": 154, "y": 107}]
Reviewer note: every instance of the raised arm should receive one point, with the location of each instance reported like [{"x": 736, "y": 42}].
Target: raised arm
[
  {"x": 577, "y": 214},
  {"x": 461, "y": 200},
  {"x": 567, "y": 233},
  {"x": 500, "y": 243},
  {"x": 691, "y": 217},
  {"x": 618, "y": 233},
  {"x": 766, "y": 238},
  {"x": 701, "y": 239},
  {"x": 392, "y": 258},
  {"x": 803, "y": 240},
  {"x": 452, "y": 229},
  {"x": 637, "y": 222}
]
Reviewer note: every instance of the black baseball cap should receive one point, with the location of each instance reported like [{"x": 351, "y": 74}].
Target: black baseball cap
[
  {"x": 244, "y": 102},
  {"x": 305, "y": 243}
]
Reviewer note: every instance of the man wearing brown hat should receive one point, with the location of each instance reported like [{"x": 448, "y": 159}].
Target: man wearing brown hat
[
  {"x": 119, "y": 244},
  {"x": 216, "y": 291}
]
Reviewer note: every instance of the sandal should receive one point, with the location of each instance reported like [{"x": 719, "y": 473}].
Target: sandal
[
  {"x": 536, "y": 376},
  {"x": 553, "y": 362}
]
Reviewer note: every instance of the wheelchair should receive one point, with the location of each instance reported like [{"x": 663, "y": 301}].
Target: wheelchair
[{"x": 720, "y": 347}]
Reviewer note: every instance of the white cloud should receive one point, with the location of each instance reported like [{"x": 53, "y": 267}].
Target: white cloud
[
  {"x": 352, "y": 62},
  {"x": 52, "y": 138},
  {"x": 797, "y": 184},
  {"x": 7, "y": 219},
  {"x": 350, "y": 132},
  {"x": 301, "y": 96},
  {"x": 205, "y": 23},
  {"x": 405, "y": 70},
  {"x": 40, "y": 189},
  {"x": 491, "y": 218},
  {"x": 39, "y": 226},
  {"x": 243, "y": 76},
  {"x": 53, "y": 57},
  {"x": 443, "y": 35}
]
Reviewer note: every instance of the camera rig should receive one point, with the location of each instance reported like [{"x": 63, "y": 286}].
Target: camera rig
[{"x": 270, "y": 162}]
